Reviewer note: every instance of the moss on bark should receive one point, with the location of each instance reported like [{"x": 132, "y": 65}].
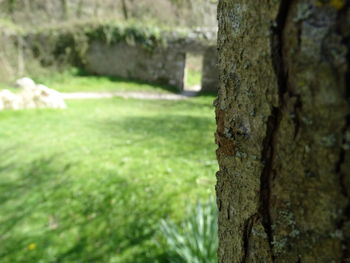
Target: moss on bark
[{"x": 283, "y": 131}]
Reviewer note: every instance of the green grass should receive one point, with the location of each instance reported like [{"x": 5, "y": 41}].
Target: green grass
[
  {"x": 74, "y": 80},
  {"x": 91, "y": 183},
  {"x": 193, "y": 69},
  {"x": 193, "y": 77},
  {"x": 5, "y": 86}
]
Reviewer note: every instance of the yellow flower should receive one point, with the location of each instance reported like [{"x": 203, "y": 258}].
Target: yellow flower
[
  {"x": 31, "y": 246},
  {"x": 338, "y": 4}
]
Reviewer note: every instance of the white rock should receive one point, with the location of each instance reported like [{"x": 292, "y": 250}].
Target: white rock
[
  {"x": 25, "y": 83},
  {"x": 32, "y": 96},
  {"x": 27, "y": 98},
  {"x": 10, "y": 100},
  {"x": 50, "y": 98}
]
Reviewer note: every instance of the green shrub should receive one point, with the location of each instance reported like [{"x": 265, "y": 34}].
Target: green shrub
[{"x": 195, "y": 240}]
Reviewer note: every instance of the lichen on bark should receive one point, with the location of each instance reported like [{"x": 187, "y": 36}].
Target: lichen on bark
[{"x": 283, "y": 131}]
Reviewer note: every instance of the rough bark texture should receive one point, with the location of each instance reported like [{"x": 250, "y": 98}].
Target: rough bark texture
[{"x": 283, "y": 131}]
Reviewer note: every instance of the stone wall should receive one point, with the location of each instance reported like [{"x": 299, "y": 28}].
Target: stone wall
[
  {"x": 149, "y": 55},
  {"x": 15, "y": 57},
  {"x": 164, "y": 65},
  {"x": 210, "y": 74},
  {"x": 9, "y": 55}
]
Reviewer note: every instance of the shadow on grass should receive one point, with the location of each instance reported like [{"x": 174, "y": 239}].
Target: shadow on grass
[
  {"x": 22, "y": 195},
  {"x": 207, "y": 93},
  {"x": 48, "y": 215}
]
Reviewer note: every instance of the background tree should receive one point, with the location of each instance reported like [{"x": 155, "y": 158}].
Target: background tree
[
  {"x": 283, "y": 131},
  {"x": 38, "y": 13},
  {"x": 125, "y": 10}
]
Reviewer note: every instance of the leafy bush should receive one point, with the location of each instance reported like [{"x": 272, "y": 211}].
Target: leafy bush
[{"x": 195, "y": 240}]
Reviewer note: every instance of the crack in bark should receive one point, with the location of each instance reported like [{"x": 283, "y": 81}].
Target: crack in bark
[
  {"x": 342, "y": 155},
  {"x": 274, "y": 119},
  {"x": 267, "y": 156},
  {"x": 277, "y": 47},
  {"x": 341, "y": 160},
  {"x": 246, "y": 234},
  {"x": 297, "y": 108}
]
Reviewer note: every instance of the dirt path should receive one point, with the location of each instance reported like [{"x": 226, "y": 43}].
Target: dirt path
[{"x": 128, "y": 94}]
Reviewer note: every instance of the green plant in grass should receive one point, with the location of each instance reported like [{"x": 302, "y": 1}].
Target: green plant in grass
[{"x": 195, "y": 240}]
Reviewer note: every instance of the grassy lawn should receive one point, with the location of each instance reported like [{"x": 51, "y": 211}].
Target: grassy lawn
[
  {"x": 193, "y": 70},
  {"x": 91, "y": 183},
  {"x": 194, "y": 77},
  {"x": 73, "y": 80}
]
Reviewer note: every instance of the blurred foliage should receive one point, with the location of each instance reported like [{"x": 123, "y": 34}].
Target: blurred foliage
[
  {"x": 46, "y": 36},
  {"x": 56, "y": 48},
  {"x": 66, "y": 45},
  {"x": 195, "y": 240},
  {"x": 188, "y": 13}
]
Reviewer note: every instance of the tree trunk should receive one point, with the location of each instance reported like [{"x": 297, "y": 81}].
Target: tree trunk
[
  {"x": 125, "y": 10},
  {"x": 283, "y": 131},
  {"x": 64, "y": 5}
]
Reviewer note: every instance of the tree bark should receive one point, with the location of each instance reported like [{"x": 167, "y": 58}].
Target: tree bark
[
  {"x": 283, "y": 131},
  {"x": 125, "y": 10},
  {"x": 64, "y": 5}
]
